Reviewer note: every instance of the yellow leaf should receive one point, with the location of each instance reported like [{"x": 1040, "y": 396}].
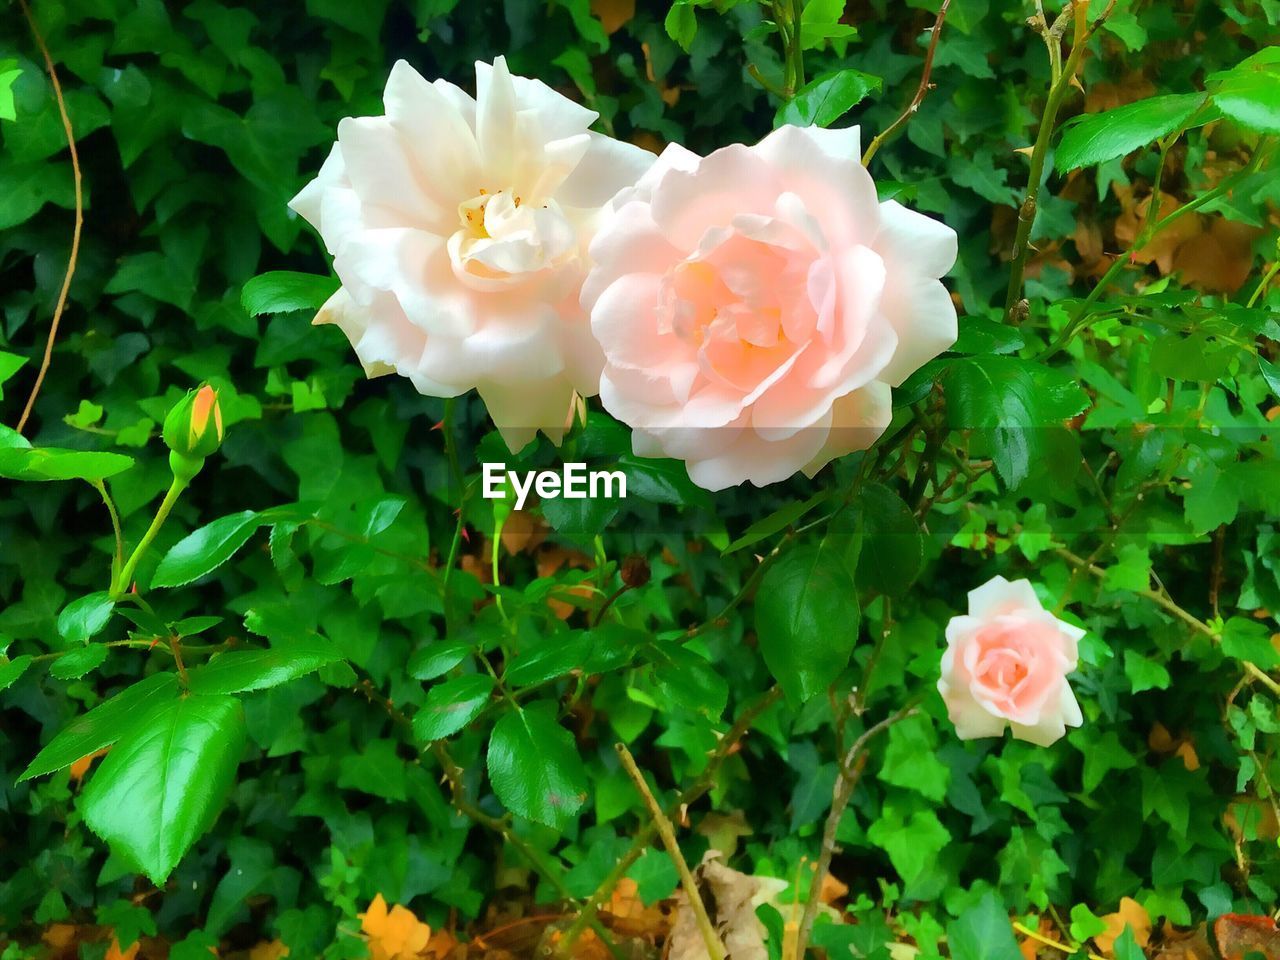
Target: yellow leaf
[
  {"x": 394, "y": 934},
  {"x": 1132, "y": 914},
  {"x": 115, "y": 953},
  {"x": 613, "y": 13},
  {"x": 268, "y": 950}
]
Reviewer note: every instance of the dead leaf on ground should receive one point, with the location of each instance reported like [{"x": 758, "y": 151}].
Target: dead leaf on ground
[
  {"x": 268, "y": 950},
  {"x": 395, "y": 934},
  {"x": 1131, "y": 914},
  {"x": 614, "y": 14},
  {"x": 1237, "y": 935}
]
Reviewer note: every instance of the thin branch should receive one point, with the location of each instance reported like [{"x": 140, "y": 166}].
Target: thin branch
[
  {"x": 921, "y": 90},
  {"x": 850, "y": 773},
  {"x": 75, "y": 233},
  {"x": 715, "y": 949},
  {"x": 727, "y": 747}
]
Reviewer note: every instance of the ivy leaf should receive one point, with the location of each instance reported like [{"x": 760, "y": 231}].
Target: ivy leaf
[
  {"x": 1249, "y": 640},
  {"x": 535, "y": 768},
  {"x": 823, "y": 101},
  {"x": 1099, "y": 137},
  {"x": 983, "y": 932},
  {"x": 243, "y": 671},
  {"x": 451, "y": 705},
  {"x": 104, "y": 724},
  {"x": 163, "y": 784},
  {"x": 204, "y": 550},
  {"x": 283, "y": 291},
  {"x": 807, "y": 618}
]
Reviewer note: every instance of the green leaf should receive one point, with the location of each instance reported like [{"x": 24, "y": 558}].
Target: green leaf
[
  {"x": 823, "y": 101},
  {"x": 681, "y": 24},
  {"x": 535, "y": 768},
  {"x": 892, "y": 553},
  {"x": 1126, "y": 947},
  {"x": 1015, "y": 400},
  {"x": 9, "y": 72},
  {"x": 438, "y": 659},
  {"x": 557, "y": 659},
  {"x": 451, "y": 705},
  {"x": 164, "y": 783},
  {"x": 204, "y": 550},
  {"x": 820, "y": 22},
  {"x": 1249, "y": 640},
  {"x": 11, "y": 671},
  {"x": 10, "y": 363},
  {"x": 283, "y": 291},
  {"x": 807, "y": 617},
  {"x": 1249, "y": 94},
  {"x": 76, "y": 663},
  {"x": 1271, "y": 374},
  {"x": 242, "y": 671},
  {"x": 983, "y": 932},
  {"x": 1099, "y": 137},
  {"x": 1143, "y": 673},
  {"x": 84, "y": 618},
  {"x": 104, "y": 724},
  {"x": 776, "y": 522},
  {"x": 54, "y": 463}
]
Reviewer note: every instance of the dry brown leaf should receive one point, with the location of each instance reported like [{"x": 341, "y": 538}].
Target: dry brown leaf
[
  {"x": 268, "y": 950},
  {"x": 832, "y": 889},
  {"x": 1131, "y": 914},
  {"x": 1185, "y": 944},
  {"x": 1237, "y": 935},
  {"x": 394, "y": 934},
  {"x": 1218, "y": 259},
  {"x": 523, "y": 532},
  {"x": 81, "y": 766},
  {"x": 614, "y": 14},
  {"x": 115, "y": 953}
]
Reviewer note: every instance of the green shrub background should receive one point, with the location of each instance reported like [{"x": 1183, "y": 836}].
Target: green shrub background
[{"x": 1145, "y": 450}]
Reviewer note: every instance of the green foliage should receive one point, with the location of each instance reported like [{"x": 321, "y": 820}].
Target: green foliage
[{"x": 341, "y": 668}]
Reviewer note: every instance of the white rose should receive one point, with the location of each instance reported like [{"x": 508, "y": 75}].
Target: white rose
[{"x": 459, "y": 229}]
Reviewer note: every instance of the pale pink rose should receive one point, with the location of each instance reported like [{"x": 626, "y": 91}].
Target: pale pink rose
[
  {"x": 1006, "y": 665},
  {"x": 459, "y": 228},
  {"x": 755, "y": 306}
]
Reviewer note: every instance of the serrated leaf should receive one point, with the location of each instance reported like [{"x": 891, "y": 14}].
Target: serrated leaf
[
  {"x": 823, "y": 101},
  {"x": 549, "y": 662},
  {"x": 892, "y": 553},
  {"x": 104, "y": 724},
  {"x": 204, "y": 550},
  {"x": 53, "y": 463},
  {"x": 84, "y": 618},
  {"x": 11, "y": 671},
  {"x": 1099, "y": 137},
  {"x": 76, "y": 663},
  {"x": 1249, "y": 94},
  {"x": 535, "y": 768},
  {"x": 438, "y": 659},
  {"x": 242, "y": 671},
  {"x": 284, "y": 291},
  {"x": 163, "y": 785},
  {"x": 451, "y": 705}
]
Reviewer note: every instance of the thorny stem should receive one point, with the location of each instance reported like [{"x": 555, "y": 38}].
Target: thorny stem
[
  {"x": 850, "y": 773},
  {"x": 715, "y": 949},
  {"x": 1048, "y": 120},
  {"x": 120, "y": 585},
  {"x": 76, "y": 230},
  {"x": 727, "y": 746},
  {"x": 921, "y": 90}
]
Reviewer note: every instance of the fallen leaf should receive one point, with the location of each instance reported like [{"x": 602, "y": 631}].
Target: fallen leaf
[
  {"x": 393, "y": 935},
  {"x": 614, "y": 14},
  {"x": 1131, "y": 914},
  {"x": 115, "y": 953},
  {"x": 1238, "y": 934},
  {"x": 81, "y": 767},
  {"x": 268, "y": 950}
]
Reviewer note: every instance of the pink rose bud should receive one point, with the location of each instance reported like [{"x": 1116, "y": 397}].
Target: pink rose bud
[
  {"x": 193, "y": 430},
  {"x": 1006, "y": 665}
]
